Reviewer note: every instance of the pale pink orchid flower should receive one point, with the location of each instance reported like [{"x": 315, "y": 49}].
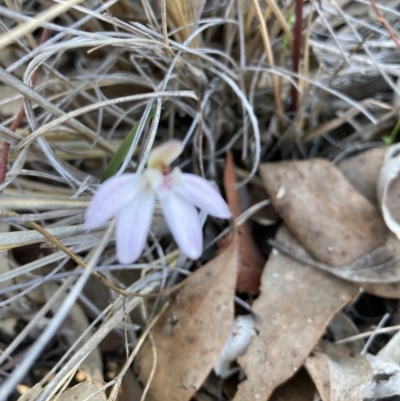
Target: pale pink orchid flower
[{"x": 131, "y": 199}]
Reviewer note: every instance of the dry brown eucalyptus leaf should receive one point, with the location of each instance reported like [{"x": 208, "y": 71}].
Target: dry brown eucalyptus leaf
[
  {"x": 330, "y": 226},
  {"x": 333, "y": 221},
  {"x": 339, "y": 373},
  {"x": 251, "y": 261},
  {"x": 294, "y": 307},
  {"x": 191, "y": 333}
]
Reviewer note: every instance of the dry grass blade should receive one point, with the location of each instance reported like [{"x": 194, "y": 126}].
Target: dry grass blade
[
  {"x": 120, "y": 308},
  {"x": 21, "y": 238},
  {"x": 40, "y": 203},
  {"x": 218, "y": 75},
  {"x": 96, "y": 106},
  {"x": 28, "y": 27},
  {"x": 75, "y": 291},
  {"x": 35, "y": 97},
  {"x": 270, "y": 57}
]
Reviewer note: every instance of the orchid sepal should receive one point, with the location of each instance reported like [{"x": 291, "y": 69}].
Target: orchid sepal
[{"x": 131, "y": 198}]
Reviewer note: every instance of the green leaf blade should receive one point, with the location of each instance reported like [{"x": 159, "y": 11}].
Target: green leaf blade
[{"x": 122, "y": 151}]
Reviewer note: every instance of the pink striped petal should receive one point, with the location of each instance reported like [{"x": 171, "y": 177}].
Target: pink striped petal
[
  {"x": 165, "y": 154},
  {"x": 203, "y": 195},
  {"x": 133, "y": 225},
  {"x": 184, "y": 222},
  {"x": 111, "y": 197}
]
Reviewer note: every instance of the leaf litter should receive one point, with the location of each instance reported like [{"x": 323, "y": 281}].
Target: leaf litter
[
  {"x": 181, "y": 334},
  {"x": 290, "y": 318},
  {"x": 115, "y": 80}
]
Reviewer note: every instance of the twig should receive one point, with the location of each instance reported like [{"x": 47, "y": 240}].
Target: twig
[
  {"x": 356, "y": 337},
  {"x": 297, "y": 48},
  {"x": 299, "y": 258},
  {"x": 375, "y": 333},
  {"x": 381, "y": 19}
]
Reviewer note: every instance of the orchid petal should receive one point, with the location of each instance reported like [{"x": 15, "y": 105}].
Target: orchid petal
[
  {"x": 165, "y": 153},
  {"x": 203, "y": 195},
  {"x": 111, "y": 197},
  {"x": 133, "y": 225},
  {"x": 184, "y": 222}
]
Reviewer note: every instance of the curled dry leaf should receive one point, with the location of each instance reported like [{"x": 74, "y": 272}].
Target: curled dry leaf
[
  {"x": 294, "y": 307},
  {"x": 251, "y": 262},
  {"x": 339, "y": 373},
  {"x": 191, "y": 333},
  {"x": 333, "y": 221},
  {"x": 388, "y": 188}
]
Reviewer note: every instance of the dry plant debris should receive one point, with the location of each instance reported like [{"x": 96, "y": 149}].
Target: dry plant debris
[{"x": 293, "y": 100}]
